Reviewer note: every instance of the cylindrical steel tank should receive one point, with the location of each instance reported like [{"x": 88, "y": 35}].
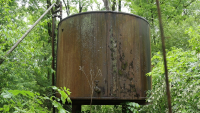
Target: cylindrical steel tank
[{"x": 104, "y": 55}]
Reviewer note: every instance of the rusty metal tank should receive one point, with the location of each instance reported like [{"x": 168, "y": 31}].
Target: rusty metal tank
[{"x": 104, "y": 55}]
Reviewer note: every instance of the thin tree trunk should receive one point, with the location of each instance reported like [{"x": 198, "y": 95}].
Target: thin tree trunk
[
  {"x": 66, "y": 7},
  {"x": 113, "y": 5},
  {"x": 49, "y": 23},
  {"x": 49, "y": 30},
  {"x": 120, "y": 4},
  {"x": 106, "y": 4},
  {"x": 80, "y": 7}
]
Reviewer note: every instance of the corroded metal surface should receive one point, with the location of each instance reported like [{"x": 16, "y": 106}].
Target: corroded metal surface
[{"x": 109, "y": 47}]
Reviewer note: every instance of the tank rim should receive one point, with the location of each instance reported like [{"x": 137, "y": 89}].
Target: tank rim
[{"x": 102, "y": 12}]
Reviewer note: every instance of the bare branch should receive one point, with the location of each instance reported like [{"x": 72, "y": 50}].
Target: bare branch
[{"x": 67, "y": 7}]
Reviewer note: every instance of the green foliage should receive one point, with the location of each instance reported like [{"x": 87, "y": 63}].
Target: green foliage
[
  {"x": 182, "y": 43},
  {"x": 27, "y": 101},
  {"x": 130, "y": 107},
  {"x": 194, "y": 38},
  {"x": 64, "y": 94},
  {"x": 28, "y": 67},
  {"x": 177, "y": 16},
  {"x": 102, "y": 109},
  {"x": 184, "y": 69},
  {"x": 20, "y": 101}
]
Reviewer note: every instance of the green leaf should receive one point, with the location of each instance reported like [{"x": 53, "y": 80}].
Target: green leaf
[
  {"x": 132, "y": 109},
  {"x": 6, "y": 107},
  {"x": 29, "y": 93},
  {"x": 14, "y": 92},
  {"x": 39, "y": 101},
  {"x": 47, "y": 98},
  {"x": 69, "y": 100},
  {"x": 55, "y": 103},
  {"x": 61, "y": 110},
  {"x": 54, "y": 87},
  {"x": 1, "y": 109},
  {"x": 6, "y": 95},
  {"x": 63, "y": 96}
]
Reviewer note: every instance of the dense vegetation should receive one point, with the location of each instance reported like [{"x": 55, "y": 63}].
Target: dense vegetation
[{"x": 25, "y": 74}]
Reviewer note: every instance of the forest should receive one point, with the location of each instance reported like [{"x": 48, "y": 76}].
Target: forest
[{"x": 25, "y": 74}]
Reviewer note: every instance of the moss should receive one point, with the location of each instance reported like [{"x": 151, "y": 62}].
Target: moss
[
  {"x": 112, "y": 55},
  {"x": 124, "y": 66},
  {"x": 120, "y": 72},
  {"x": 114, "y": 95}
]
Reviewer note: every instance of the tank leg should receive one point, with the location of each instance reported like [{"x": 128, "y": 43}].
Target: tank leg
[
  {"x": 54, "y": 109},
  {"x": 76, "y": 108},
  {"x": 125, "y": 109}
]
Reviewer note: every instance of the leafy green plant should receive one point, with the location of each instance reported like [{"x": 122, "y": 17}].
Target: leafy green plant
[
  {"x": 27, "y": 101},
  {"x": 130, "y": 107},
  {"x": 102, "y": 108},
  {"x": 184, "y": 74},
  {"x": 194, "y": 38}
]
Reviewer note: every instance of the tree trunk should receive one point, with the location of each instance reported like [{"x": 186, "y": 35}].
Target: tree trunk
[
  {"x": 80, "y": 7},
  {"x": 106, "y": 4},
  {"x": 120, "y": 3},
  {"x": 49, "y": 28},
  {"x": 113, "y": 5}
]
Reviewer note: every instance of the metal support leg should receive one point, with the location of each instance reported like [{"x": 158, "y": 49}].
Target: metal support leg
[
  {"x": 124, "y": 108},
  {"x": 76, "y": 108}
]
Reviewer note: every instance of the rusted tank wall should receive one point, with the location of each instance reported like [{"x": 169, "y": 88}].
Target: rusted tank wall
[{"x": 110, "y": 47}]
